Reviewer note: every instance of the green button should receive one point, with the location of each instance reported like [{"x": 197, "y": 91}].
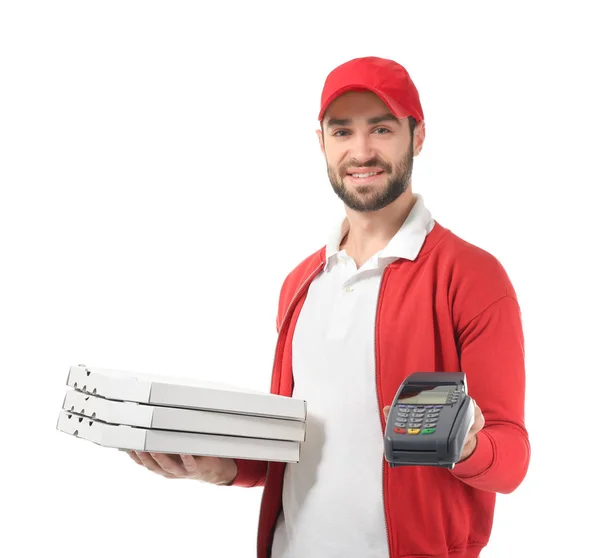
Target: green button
[{"x": 427, "y": 430}]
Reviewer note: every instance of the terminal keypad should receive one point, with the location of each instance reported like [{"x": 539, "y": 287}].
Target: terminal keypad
[{"x": 416, "y": 419}]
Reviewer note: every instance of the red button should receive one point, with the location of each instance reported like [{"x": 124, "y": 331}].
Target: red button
[{"x": 400, "y": 430}]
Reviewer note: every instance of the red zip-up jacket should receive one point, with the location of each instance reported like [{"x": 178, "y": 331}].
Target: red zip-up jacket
[{"x": 451, "y": 309}]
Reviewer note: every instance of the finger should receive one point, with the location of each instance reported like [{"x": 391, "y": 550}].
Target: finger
[
  {"x": 134, "y": 456},
  {"x": 168, "y": 464},
  {"x": 386, "y": 411},
  {"x": 478, "y": 419},
  {"x": 150, "y": 463},
  {"x": 190, "y": 464}
]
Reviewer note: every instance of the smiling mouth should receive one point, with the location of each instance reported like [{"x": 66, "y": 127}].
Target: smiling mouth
[
  {"x": 364, "y": 178},
  {"x": 364, "y": 174}
]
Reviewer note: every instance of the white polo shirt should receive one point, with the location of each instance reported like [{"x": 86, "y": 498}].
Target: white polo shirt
[{"x": 333, "y": 498}]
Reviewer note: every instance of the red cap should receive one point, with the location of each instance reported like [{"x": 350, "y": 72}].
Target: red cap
[{"x": 386, "y": 78}]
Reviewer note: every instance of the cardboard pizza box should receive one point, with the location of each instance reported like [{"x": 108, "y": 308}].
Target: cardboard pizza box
[
  {"x": 164, "y": 441},
  {"x": 183, "y": 420},
  {"x": 183, "y": 393}
]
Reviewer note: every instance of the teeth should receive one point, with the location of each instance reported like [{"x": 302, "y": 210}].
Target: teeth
[{"x": 364, "y": 175}]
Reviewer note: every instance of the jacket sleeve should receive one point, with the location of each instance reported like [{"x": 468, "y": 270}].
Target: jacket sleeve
[
  {"x": 491, "y": 349},
  {"x": 250, "y": 473}
]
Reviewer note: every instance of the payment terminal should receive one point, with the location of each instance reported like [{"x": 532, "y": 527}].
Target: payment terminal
[{"x": 429, "y": 420}]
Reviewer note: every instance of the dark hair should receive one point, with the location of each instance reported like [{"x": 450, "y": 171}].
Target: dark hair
[{"x": 412, "y": 122}]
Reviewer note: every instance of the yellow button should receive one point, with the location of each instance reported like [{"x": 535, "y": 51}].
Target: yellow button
[
  {"x": 414, "y": 430},
  {"x": 348, "y": 289}
]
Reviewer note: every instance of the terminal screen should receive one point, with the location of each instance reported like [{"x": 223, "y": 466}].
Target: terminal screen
[{"x": 425, "y": 394}]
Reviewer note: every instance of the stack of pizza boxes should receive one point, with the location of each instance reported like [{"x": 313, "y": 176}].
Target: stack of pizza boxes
[{"x": 163, "y": 414}]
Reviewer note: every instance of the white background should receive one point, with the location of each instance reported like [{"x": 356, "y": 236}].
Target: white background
[{"x": 160, "y": 175}]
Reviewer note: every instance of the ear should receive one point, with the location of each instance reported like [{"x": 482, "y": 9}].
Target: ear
[
  {"x": 419, "y": 138},
  {"x": 321, "y": 142}
]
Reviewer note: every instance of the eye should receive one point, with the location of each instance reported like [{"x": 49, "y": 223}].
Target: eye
[
  {"x": 384, "y": 130},
  {"x": 338, "y": 132}
]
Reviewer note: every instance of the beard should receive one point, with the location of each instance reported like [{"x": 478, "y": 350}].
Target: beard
[{"x": 368, "y": 198}]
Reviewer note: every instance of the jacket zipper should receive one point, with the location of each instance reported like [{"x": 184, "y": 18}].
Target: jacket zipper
[
  {"x": 279, "y": 337},
  {"x": 377, "y": 383}
]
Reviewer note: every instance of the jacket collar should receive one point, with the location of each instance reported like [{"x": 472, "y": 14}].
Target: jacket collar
[{"x": 406, "y": 243}]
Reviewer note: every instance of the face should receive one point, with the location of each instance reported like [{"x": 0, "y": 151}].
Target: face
[{"x": 369, "y": 152}]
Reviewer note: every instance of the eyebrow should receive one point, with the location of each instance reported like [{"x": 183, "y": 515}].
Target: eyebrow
[{"x": 375, "y": 120}]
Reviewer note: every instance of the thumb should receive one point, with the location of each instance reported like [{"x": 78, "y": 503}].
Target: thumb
[{"x": 386, "y": 411}]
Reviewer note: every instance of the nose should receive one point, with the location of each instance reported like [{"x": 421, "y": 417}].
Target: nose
[{"x": 361, "y": 148}]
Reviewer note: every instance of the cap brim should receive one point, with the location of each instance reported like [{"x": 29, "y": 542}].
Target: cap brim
[{"x": 397, "y": 110}]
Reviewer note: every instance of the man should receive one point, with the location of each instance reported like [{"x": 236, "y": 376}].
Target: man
[{"x": 391, "y": 293}]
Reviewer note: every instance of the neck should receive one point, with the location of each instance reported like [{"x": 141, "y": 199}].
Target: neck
[{"x": 371, "y": 231}]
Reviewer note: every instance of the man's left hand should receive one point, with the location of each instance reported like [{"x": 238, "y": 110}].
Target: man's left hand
[{"x": 471, "y": 441}]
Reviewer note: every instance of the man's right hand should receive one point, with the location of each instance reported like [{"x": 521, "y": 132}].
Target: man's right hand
[{"x": 214, "y": 470}]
